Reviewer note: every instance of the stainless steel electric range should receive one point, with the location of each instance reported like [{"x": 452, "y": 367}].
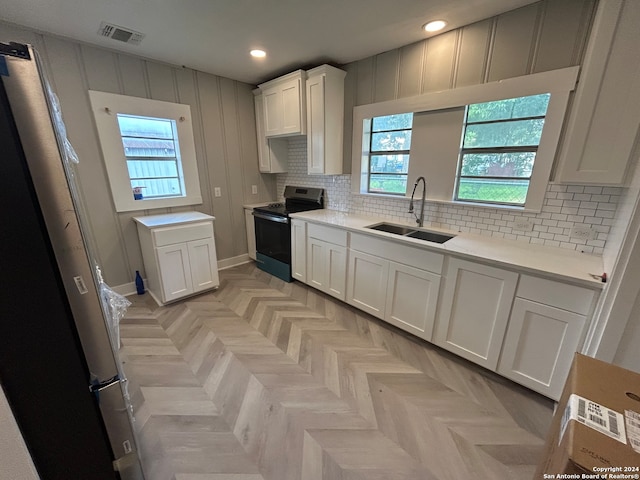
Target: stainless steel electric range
[{"x": 273, "y": 228}]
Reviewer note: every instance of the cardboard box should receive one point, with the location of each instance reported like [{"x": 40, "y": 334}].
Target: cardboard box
[{"x": 595, "y": 432}]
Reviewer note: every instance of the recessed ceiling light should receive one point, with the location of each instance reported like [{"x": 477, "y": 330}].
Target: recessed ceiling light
[
  {"x": 435, "y": 26},
  {"x": 258, "y": 53}
]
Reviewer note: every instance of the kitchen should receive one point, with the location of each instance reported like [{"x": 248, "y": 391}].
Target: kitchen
[{"x": 229, "y": 154}]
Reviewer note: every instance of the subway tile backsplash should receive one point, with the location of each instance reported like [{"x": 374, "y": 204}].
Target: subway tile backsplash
[{"x": 565, "y": 208}]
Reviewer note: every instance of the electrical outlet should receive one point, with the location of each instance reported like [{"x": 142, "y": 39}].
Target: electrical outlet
[
  {"x": 254, "y": 189},
  {"x": 217, "y": 192},
  {"x": 583, "y": 233},
  {"x": 522, "y": 225}
]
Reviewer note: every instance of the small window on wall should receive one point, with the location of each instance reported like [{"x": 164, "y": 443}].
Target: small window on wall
[
  {"x": 499, "y": 146},
  {"x": 152, "y": 153},
  {"x": 148, "y": 150},
  {"x": 389, "y": 146}
]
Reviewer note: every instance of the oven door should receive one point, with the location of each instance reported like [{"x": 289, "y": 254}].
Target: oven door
[{"x": 273, "y": 236}]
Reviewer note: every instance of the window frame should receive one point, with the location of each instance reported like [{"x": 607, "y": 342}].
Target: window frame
[
  {"x": 373, "y": 153},
  {"x": 559, "y": 83},
  {"x": 498, "y": 149},
  {"x": 106, "y": 107}
]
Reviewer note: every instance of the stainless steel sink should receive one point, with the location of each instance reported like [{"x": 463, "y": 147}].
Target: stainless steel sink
[
  {"x": 430, "y": 236},
  {"x": 404, "y": 231},
  {"x": 391, "y": 228}
]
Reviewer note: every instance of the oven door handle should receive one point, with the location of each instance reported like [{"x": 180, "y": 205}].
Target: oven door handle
[{"x": 272, "y": 218}]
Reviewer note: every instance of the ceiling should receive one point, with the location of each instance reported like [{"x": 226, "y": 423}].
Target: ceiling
[{"x": 215, "y": 36}]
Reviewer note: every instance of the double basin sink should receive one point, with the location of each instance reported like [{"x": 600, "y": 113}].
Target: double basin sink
[{"x": 404, "y": 231}]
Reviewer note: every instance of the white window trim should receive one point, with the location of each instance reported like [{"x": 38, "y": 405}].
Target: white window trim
[
  {"x": 559, "y": 83},
  {"x": 105, "y": 107}
]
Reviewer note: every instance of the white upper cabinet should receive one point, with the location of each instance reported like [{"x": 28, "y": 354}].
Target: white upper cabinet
[
  {"x": 273, "y": 153},
  {"x": 325, "y": 120},
  {"x": 284, "y": 105},
  {"x": 605, "y": 117}
]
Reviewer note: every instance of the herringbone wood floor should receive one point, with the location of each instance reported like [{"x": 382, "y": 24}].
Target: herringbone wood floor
[{"x": 264, "y": 380}]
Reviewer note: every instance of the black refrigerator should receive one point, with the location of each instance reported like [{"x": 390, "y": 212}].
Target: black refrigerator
[{"x": 59, "y": 366}]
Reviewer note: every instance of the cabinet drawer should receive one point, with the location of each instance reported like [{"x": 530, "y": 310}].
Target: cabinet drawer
[
  {"x": 170, "y": 235},
  {"x": 556, "y": 294},
  {"x": 328, "y": 234},
  {"x": 396, "y": 252}
]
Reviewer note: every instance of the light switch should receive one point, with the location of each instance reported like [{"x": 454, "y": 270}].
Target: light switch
[
  {"x": 217, "y": 192},
  {"x": 254, "y": 189}
]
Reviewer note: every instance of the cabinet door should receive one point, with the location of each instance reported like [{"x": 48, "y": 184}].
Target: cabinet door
[
  {"x": 315, "y": 124},
  {"x": 175, "y": 271},
  {"x": 605, "y": 116},
  {"x": 272, "y": 152},
  {"x": 336, "y": 273},
  {"x": 367, "y": 285},
  {"x": 272, "y": 112},
  {"x": 539, "y": 346},
  {"x": 316, "y": 258},
  {"x": 475, "y": 310},
  {"x": 203, "y": 264},
  {"x": 283, "y": 109},
  {"x": 412, "y": 295},
  {"x": 291, "y": 108},
  {"x": 299, "y": 250}
]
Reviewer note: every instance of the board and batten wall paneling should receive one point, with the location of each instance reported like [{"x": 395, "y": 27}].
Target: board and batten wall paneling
[
  {"x": 386, "y": 80},
  {"x": 473, "y": 53},
  {"x": 543, "y": 36},
  {"x": 514, "y": 43},
  {"x": 440, "y": 62},
  {"x": 411, "y": 65},
  {"x": 224, "y": 135},
  {"x": 562, "y": 22}
]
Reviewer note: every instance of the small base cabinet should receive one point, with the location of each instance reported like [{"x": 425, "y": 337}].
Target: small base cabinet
[
  {"x": 327, "y": 259},
  {"x": 546, "y": 328},
  {"x": 474, "y": 312},
  {"x": 382, "y": 282},
  {"x": 412, "y": 295},
  {"x": 179, "y": 254},
  {"x": 299, "y": 250},
  {"x": 251, "y": 232},
  {"x": 368, "y": 277}
]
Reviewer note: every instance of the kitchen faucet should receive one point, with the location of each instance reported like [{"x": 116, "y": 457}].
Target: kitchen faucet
[{"x": 419, "y": 220}]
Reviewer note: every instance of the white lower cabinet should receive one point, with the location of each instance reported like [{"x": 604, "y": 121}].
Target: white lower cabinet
[
  {"x": 251, "y": 232},
  {"x": 546, "y": 328},
  {"x": 474, "y": 312},
  {"x": 179, "y": 254},
  {"x": 412, "y": 295},
  {"x": 299, "y": 250},
  {"x": 524, "y": 327},
  {"x": 381, "y": 282},
  {"x": 368, "y": 277},
  {"x": 327, "y": 260},
  {"x": 539, "y": 346}
]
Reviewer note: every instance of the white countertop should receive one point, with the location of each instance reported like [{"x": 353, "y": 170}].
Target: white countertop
[
  {"x": 153, "y": 221},
  {"x": 562, "y": 263}
]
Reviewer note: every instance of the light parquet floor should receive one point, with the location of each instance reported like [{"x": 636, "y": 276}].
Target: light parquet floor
[{"x": 264, "y": 380}]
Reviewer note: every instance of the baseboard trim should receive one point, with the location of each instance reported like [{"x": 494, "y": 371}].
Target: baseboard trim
[
  {"x": 127, "y": 289},
  {"x": 233, "y": 261}
]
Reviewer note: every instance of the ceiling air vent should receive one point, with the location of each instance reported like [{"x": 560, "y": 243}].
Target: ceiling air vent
[{"x": 120, "y": 33}]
